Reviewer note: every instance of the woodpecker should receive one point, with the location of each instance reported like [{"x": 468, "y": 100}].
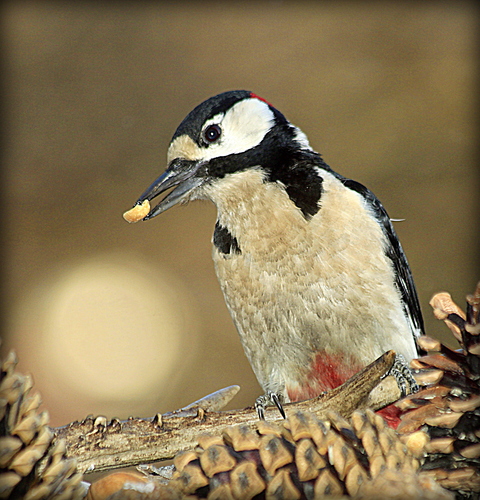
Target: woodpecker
[{"x": 310, "y": 266}]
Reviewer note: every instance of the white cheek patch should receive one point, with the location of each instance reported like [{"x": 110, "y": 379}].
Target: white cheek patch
[{"x": 243, "y": 127}]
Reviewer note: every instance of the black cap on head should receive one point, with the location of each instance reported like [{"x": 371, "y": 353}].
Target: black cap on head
[{"x": 193, "y": 122}]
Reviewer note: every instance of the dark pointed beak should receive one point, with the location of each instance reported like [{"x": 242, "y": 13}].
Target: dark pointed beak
[{"x": 181, "y": 173}]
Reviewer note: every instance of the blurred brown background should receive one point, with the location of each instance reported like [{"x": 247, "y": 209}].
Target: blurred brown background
[{"x": 125, "y": 319}]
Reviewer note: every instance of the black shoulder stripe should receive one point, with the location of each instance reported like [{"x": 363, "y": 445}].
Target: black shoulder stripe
[
  {"x": 395, "y": 253},
  {"x": 224, "y": 241},
  {"x": 304, "y": 187},
  {"x": 302, "y": 181}
]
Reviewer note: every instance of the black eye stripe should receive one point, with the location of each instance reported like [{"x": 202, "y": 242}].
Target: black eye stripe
[{"x": 212, "y": 133}]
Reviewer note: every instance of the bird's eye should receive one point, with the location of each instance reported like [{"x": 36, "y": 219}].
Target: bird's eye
[{"x": 212, "y": 133}]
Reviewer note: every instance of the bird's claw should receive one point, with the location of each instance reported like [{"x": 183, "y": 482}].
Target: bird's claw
[
  {"x": 269, "y": 399},
  {"x": 403, "y": 375}
]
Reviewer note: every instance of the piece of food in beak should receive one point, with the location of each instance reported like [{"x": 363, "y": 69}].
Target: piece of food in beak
[{"x": 138, "y": 212}]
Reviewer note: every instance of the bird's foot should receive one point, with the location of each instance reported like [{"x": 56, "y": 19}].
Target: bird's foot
[
  {"x": 403, "y": 375},
  {"x": 269, "y": 399}
]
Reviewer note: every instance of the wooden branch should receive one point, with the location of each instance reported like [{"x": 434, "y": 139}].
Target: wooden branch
[{"x": 99, "y": 445}]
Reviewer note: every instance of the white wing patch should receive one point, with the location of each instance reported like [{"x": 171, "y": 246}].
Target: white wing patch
[{"x": 302, "y": 139}]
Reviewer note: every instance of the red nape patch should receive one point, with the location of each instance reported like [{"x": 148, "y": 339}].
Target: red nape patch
[
  {"x": 328, "y": 371},
  {"x": 391, "y": 414},
  {"x": 255, "y": 96}
]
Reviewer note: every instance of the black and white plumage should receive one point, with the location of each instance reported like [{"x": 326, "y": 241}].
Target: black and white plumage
[{"x": 310, "y": 266}]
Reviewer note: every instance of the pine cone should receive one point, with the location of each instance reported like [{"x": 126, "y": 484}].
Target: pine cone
[
  {"x": 305, "y": 458},
  {"x": 27, "y": 445},
  {"x": 302, "y": 457},
  {"x": 448, "y": 406}
]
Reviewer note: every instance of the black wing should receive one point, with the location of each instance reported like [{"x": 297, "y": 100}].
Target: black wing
[{"x": 403, "y": 275}]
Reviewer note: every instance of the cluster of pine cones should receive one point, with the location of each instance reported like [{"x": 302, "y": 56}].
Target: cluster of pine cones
[{"x": 433, "y": 454}]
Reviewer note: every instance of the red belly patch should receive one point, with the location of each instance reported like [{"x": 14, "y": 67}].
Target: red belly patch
[
  {"x": 328, "y": 371},
  {"x": 391, "y": 414}
]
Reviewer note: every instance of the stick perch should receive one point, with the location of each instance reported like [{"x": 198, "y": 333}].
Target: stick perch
[{"x": 100, "y": 445}]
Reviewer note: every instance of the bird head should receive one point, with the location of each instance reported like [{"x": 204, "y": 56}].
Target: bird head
[{"x": 226, "y": 134}]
